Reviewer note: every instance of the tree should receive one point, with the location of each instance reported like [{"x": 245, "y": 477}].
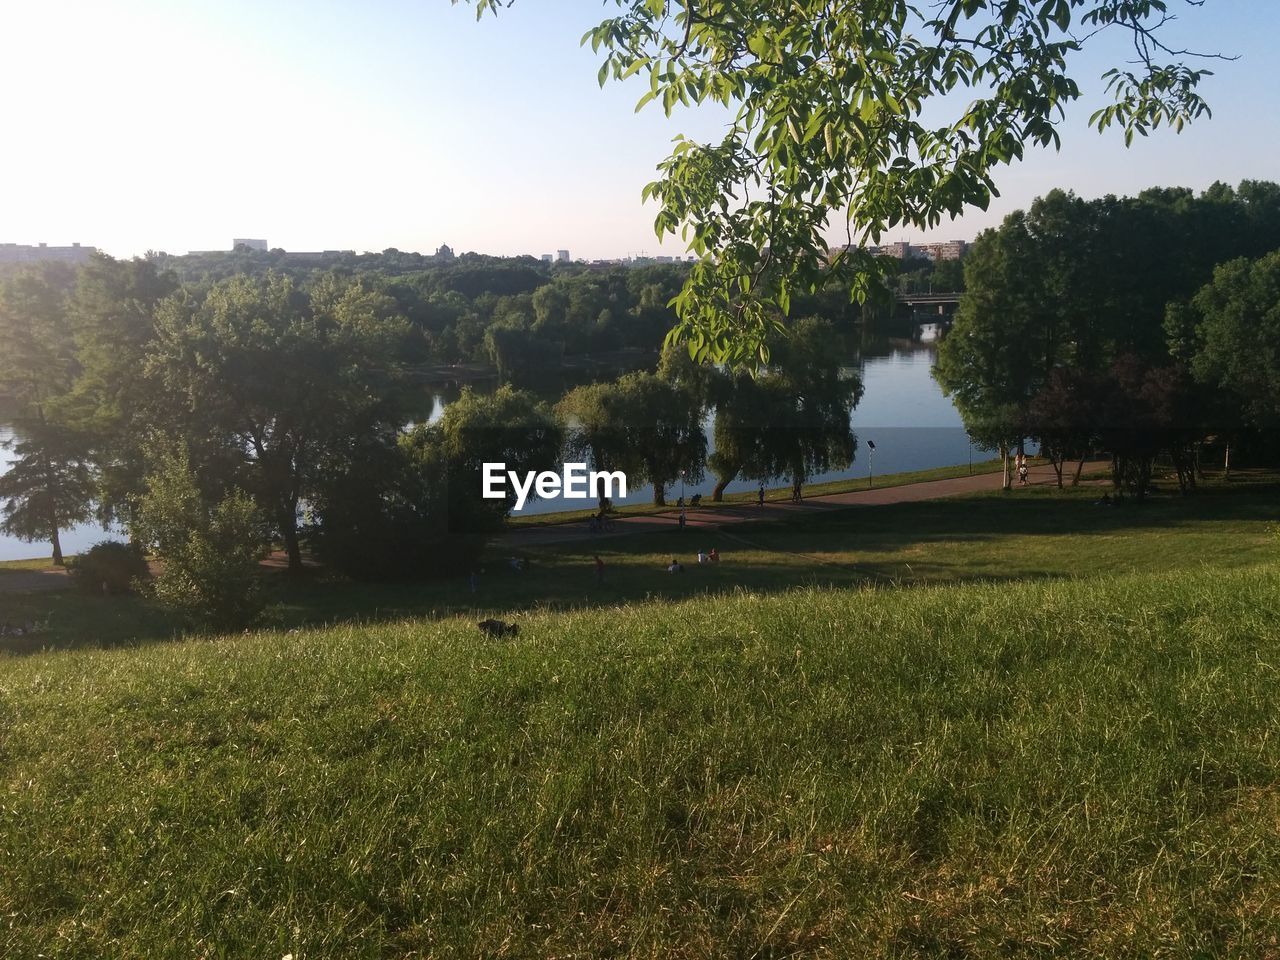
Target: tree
[
  {"x": 1063, "y": 418},
  {"x": 874, "y": 112},
  {"x": 508, "y": 426},
  {"x": 279, "y": 379},
  {"x": 791, "y": 419},
  {"x": 1236, "y": 331},
  {"x": 112, "y": 312},
  {"x": 50, "y": 485},
  {"x": 48, "y": 488},
  {"x": 642, "y": 424},
  {"x": 209, "y": 553}
]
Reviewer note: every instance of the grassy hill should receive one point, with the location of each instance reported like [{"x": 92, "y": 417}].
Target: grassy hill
[{"x": 1062, "y": 767}]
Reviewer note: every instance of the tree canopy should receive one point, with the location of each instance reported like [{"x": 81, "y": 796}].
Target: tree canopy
[{"x": 877, "y": 113}]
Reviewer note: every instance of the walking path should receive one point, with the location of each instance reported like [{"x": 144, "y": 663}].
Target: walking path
[{"x": 578, "y": 531}]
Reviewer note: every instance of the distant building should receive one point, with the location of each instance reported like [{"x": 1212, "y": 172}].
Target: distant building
[
  {"x": 43, "y": 253},
  {"x": 903, "y": 250},
  {"x": 949, "y": 250},
  {"x": 444, "y": 252},
  {"x": 547, "y": 258},
  {"x": 562, "y": 256},
  {"x": 260, "y": 245}
]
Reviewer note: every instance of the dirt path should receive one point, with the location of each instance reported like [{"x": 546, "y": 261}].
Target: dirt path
[
  {"x": 33, "y": 581},
  {"x": 776, "y": 510}
]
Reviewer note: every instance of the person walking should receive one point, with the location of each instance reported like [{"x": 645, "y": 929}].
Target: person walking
[
  {"x": 683, "y": 518},
  {"x": 760, "y": 496}
]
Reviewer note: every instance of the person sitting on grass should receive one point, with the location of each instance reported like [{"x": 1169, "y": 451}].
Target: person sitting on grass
[
  {"x": 714, "y": 555},
  {"x": 675, "y": 566},
  {"x": 703, "y": 557}
]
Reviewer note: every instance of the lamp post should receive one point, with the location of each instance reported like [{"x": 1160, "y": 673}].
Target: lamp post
[
  {"x": 970, "y": 438},
  {"x": 871, "y": 463},
  {"x": 682, "y": 488}
]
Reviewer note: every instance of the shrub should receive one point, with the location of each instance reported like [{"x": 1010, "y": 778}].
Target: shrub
[
  {"x": 209, "y": 555},
  {"x": 110, "y": 567}
]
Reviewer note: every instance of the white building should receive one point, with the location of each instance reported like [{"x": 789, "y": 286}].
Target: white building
[
  {"x": 43, "y": 253},
  {"x": 562, "y": 256},
  {"x": 260, "y": 245}
]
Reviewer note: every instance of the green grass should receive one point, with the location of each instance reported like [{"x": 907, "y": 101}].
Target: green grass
[
  {"x": 35, "y": 563},
  {"x": 1061, "y": 767},
  {"x": 772, "y": 494},
  {"x": 1035, "y": 532}
]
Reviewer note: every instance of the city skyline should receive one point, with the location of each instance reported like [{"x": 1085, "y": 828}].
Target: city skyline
[{"x": 408, "y": 125}]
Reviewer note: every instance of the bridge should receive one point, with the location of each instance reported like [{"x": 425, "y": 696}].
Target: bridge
[{"x": 929, "y": 299}]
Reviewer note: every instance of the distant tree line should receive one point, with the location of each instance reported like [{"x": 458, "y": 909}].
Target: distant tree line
[{"x": 1140, "y": 326}]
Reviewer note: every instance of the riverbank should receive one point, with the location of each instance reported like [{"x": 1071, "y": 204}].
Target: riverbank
[{"x": 773, "y": 495}]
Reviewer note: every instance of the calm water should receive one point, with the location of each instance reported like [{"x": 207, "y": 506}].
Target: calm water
[{"x": 903, "y": 411}]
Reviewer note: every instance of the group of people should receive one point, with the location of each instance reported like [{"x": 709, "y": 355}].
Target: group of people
[
  {"x": 704, "y": 556},
  {"x": 1020, "y": 465}
]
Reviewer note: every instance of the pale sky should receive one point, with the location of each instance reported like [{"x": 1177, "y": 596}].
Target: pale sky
[{"x": 319, "y": 124}]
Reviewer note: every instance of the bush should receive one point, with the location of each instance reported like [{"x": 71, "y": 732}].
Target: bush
[
  {"x": 209, "y": 555},
  {"x": 110, "y": 567}
]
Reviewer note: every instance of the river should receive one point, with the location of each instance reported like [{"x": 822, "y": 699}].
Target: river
[{"x": 913, "y": 426}]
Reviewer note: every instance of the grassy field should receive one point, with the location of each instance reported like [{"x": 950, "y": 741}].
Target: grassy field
[
  {"x": 1063, "y": 767},
  {"x": 1034, "y": 532}
]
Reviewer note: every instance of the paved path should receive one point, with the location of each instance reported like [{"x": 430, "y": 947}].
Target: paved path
[{"x": 578, "y": 531}]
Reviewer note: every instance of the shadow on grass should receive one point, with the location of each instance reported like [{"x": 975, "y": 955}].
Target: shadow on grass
[{"x": 1032, "y": 533}]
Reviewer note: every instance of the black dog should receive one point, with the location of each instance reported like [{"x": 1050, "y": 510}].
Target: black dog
[{"x": 498, "y": 628}]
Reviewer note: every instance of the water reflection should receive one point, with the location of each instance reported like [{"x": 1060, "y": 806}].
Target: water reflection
[{"x": 903, "y": 411}]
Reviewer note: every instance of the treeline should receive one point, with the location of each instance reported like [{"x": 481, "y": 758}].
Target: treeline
[
  {"x": 211, "y": 419},
  {"x": 1141, "y": 326}
]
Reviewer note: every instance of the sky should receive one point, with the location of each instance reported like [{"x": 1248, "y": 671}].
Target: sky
[{"x": 176, "y": 125}]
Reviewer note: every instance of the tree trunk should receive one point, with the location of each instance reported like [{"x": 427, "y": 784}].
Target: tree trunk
[
  {"x": 1075, "y": 479},
  {"x": 1226, "y": 463},
  {"x": 57, "y": 547},
  {"x": 717, "y": 494},
  {"x": 659, "y": 494},
  {"x": 289, "y": 530},
  {"x": 1006, "y": 480}
]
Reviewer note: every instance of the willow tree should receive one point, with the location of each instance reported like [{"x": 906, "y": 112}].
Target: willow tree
[{"x": 858, "y": 117}]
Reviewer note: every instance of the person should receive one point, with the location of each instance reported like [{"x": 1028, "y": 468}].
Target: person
[
  {"x": 703, "y": 558},
  {"x": 714, "y": 555},
  {"x": 599, "y": 569},
  {"x": 675, "y": 566},
  {"x": 696, "y": 500},
  {"x": 760, "y": 496},
  {"x": 680, "y": 503},
  {"x": 1022, "y": 471},
  {"x": 683, "y": 518}
]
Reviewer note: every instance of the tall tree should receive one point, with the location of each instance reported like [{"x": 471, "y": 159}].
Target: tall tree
[
  {"x": 1237, "y": 337},
  {"x": 642, "y": 424},
  {"x": 279, "y": 379},
  {"x": 50, "y": 485},
  {"x": 48, "y": 488}
]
